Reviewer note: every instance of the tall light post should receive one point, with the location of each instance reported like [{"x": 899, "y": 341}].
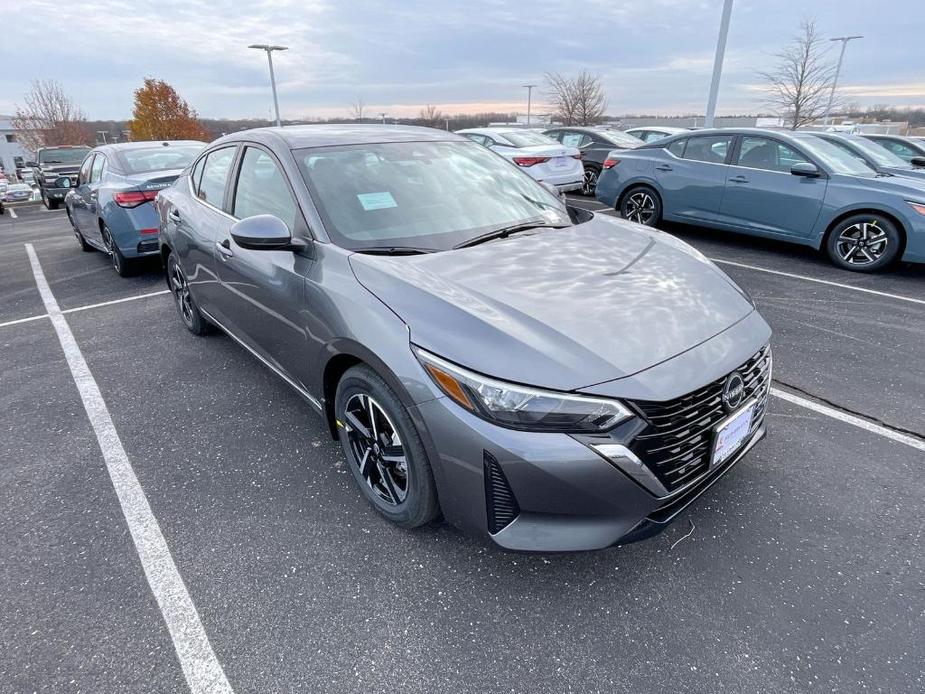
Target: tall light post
[
  {"x": 382, "y": 116},
  {"x": 718, "y": 63},
  {"x": 269, "y": 49},
  {"x": 529, "y": 88},
  {"x": 844, "y": 42}
]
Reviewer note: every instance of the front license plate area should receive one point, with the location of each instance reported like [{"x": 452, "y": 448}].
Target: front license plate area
[{"x": 731, "y": 433}]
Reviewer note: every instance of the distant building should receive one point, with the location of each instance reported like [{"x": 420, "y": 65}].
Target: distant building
[{"x": 12, "y": 154}]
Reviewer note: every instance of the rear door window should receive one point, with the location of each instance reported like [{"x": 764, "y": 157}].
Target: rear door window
[
  {"x": 708, "y": 148},
  {"x": 84, "y": 176},
  {"x": 96, "y": 173},
  {"x": 215, "y": 176}
]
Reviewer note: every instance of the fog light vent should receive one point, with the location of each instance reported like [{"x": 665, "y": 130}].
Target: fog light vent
[{"x": 499, "y": 499}]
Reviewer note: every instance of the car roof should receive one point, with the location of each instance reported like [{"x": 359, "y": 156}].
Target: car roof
[
  {"x": 659, "y": 129},
  {"x": 144, "y": 144},
  {"x": 327, "y": 135}
]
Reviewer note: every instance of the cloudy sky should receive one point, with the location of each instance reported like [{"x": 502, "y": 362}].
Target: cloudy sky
[{"x": 654, "y": 56}]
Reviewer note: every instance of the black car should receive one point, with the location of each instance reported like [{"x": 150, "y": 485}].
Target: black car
[
  {"x": 594, "y": 146},
  {"x": 908, "y": 149},
  {"x": 55, "y": 171}
]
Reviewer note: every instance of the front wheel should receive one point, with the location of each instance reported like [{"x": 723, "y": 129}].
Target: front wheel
[
  {"x": 48, "y": 202},
  {"x": 384, "y": 450},
  {"x": 641, "y": 205},
  {"x": 864, "y": 243}
]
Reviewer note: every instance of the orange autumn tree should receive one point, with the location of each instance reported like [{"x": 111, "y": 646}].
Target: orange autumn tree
[{"x": 160, "y": 114}]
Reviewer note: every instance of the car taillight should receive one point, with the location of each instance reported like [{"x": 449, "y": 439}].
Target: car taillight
[
  {"x": 610, "y": 163},
  {"x": 134, "y": 198},
  {"x": 529, "y": 161}
]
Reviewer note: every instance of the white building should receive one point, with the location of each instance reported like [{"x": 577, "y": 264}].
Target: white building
[{"x": 12, "y": 154}]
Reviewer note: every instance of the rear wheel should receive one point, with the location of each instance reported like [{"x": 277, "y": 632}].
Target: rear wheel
[
  {"x": 642, "y": 205},
  {"x": 383, "y": 449},
  {"x": 189, "y": 312},
  {"x": 120, "y": 263},
  {"x": 864, "y": 243},
  {"x": 589, "y": 185}
]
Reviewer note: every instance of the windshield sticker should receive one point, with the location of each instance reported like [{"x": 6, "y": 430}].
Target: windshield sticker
[{"x": 376, "y": 201}]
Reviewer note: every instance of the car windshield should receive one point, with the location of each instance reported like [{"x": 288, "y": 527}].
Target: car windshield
[
  {"x": 159, "y": 158},
  {"x": 526, "y": 139},
  {"x": 835, "y": 158},
  {"x": 878, "y": 153},
  {"x": 425, "y": 195},
  {"x": 63, "y": 155}
]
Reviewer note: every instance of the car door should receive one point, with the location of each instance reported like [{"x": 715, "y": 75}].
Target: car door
[
  {"x": 262, "y": 291},
  {"x": 81, "y": 197},
  {"x": 199, "y": 219},
  {"x": 763, "y": 196},
  {"x": 692, "y": 176},
  {"x": 92, "y": 198}
]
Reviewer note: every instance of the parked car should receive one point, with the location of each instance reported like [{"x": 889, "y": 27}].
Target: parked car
[
  {"x": 111, "y": 208},
  {"x": 55, "y": 172},
  {"x": 594, "y": 146},
  {"x": 541, "y": 157},
  {"x": 473, "y": 343},
  {"x": 909, "y": 149},
  {"x": 654, "y": 133},
  {"x": 795, "y": 187},
  {"x": 17, "y": 192},
  {"x": 873, "y": 154}
]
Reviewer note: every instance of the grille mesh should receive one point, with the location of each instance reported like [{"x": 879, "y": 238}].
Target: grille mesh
[
  {"x": 499, "y": 499},
  {"x": 677, "y": 444}
]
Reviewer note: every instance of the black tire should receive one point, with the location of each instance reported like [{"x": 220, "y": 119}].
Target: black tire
[
  {"x": 81, "y": 241},
  {"x": 48, "y": 202},
  {"x": 864, "y": 243},
  {"x": 189, "y": 312},
  {"x": 122, "y": 265},
  {"x": 641, "y": 204},
  {"x": 589, "y": 184},
  {"x": 419, "y": 505}
]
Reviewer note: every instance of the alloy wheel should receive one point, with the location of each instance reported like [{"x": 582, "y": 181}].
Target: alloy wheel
[
  {"x": 590, "y": 182},
  {"x": 639, "y": 207},
  {"x": 181, "y": 293},
  {"x": 862, "y": 243},
  {"x": 377, "y": 449},
  {"x": 114, "y": 256}
]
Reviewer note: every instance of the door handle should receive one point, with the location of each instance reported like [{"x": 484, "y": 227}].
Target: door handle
[
  {"x": 738, "y": 179},
  {"x": 224, "y": 248},
  {"x": 663, "y": 167},
  {"x": 174, "y": 215}
]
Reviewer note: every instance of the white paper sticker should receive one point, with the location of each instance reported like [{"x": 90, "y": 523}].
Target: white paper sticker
[{"x": 376, "y": 201}]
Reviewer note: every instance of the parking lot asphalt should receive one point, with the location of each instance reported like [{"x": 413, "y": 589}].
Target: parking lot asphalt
[{"x": 801, "y": 570}]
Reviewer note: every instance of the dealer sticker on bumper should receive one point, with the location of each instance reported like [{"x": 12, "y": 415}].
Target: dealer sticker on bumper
[{"x": 731, "y": 434}]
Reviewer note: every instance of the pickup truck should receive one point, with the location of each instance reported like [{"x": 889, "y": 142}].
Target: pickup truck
[{"x": 52, "y": 165}]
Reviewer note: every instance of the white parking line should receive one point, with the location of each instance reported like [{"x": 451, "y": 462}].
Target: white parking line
[
  {"x": 200, "y": 666},
  {"x": 13, "y": 214},
  {"x": 849, "y": 419},
  {"x": 116, "y": 301},
  {"x": 23, "y": 320},
  {"x": 899, "y": 297}
]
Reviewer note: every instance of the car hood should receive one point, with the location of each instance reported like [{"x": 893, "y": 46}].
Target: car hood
[
  {"x": 561, "y": 309},
  {"x": 915, "y": 174},
  {"x": 59, "y": 169}
]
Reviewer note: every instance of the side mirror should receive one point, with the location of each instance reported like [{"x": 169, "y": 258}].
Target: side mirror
[
  {"x": 264, "y": 232},
  {"x": 804, "y": 168},
  {"x": 918, "y": 162},
  {"x": 62, "y": 182}
]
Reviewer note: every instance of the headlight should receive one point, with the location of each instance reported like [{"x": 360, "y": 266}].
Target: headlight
[{"x": 519, "y": 407}]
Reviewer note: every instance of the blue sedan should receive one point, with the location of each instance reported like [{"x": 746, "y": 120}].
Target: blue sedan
[
  {"x": 111, "y": 208},
  {"x": 790, "y": 186}
]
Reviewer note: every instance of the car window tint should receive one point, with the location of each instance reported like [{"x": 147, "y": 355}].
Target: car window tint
[
  {"x": 197, "y": 173},
  {"x": 709, "y": 148},
  {"x": 96, "y": 173},
  {"x": 554, "y": 134},
  {"x": 652, "y": 136},
  {"x": 899, "y": 149},
  {"x": 677, "y": 148},
  {"x": 215, "y": 175},
  {"x": 767, "y": 154},
  {"x": 84, "y": 175},
  {"x": 262, "y": 189}
]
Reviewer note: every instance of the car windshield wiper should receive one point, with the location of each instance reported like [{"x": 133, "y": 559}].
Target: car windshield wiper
[
  {"x": 393, "y": 250},
  {"x": 504, "y": 232}
]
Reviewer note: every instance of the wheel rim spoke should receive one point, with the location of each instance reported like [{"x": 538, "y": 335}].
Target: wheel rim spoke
[{"x": 377, "y": 449}]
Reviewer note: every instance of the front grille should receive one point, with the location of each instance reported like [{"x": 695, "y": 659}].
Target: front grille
[
  {"x": 677, "y": 443},
  {"x": 499, "y": 499}
]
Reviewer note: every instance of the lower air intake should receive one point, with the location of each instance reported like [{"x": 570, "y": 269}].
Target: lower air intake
[{"x": 499, "y": 499}]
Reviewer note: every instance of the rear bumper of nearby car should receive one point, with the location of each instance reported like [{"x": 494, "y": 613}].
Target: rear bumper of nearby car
[{"x": 134, "y": 229}]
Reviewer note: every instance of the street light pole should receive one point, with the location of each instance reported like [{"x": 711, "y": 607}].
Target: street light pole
[
  {"x": 269, "y": 49},
  {"x": 844, "y": 42},
  {"x": 718, "y": 63},
  {"x": 529, "y": 88},
  {"x": 382, "y": 115}
]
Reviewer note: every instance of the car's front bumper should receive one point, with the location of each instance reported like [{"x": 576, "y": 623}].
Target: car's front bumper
[{"x": 56, "y": 193}]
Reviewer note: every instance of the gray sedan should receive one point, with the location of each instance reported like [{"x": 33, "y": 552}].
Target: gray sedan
[{"x": 557, "y": 380}]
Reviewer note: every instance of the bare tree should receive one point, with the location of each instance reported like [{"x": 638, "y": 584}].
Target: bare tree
[
  {"x": 431, "y": 115},
  {"x": 578, "y": 100},
  {"x": 50, "y": 117},
  {"x": 800, "y": 83},
  {"x": 357, "y": 108}
]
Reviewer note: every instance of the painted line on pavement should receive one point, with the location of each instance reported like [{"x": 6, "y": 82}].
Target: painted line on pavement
[
  {"x": 116, "y": 301},
  {"x": 899, "y": 297},
  {"x": 13, "y": 214},
  {"x": 849, "y": 419},
  {"x": 200, "y": 666},
  {"x": 23, "y": 320}
]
